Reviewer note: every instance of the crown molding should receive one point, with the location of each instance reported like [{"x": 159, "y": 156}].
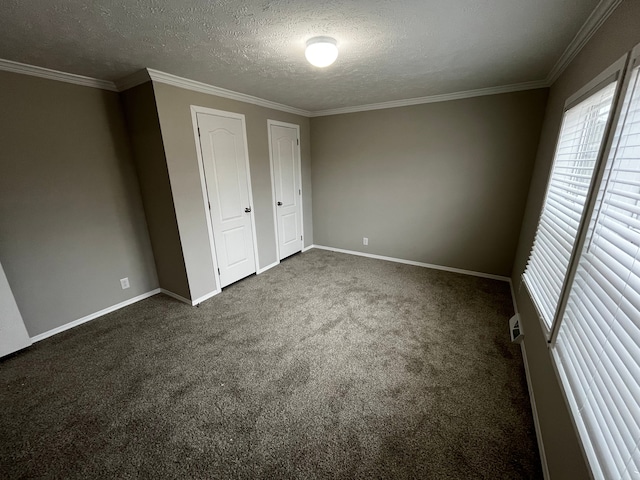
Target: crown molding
[
  {"x": 32, "y": 70},
  {"x": 599, "y": 15},
  {"x": 176, "y": 81},
  {"x": 481, "y": 92},
  {"x": 147, "y": 74},
  {"x": 133, "y": 80}
]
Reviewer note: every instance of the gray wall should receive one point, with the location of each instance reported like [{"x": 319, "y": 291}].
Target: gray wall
[
  {"x": 71, "y": 219},
  {"x": 180, "y": 149},
  {"x": 618, "y": 35},
  {"x": 151, "y": 165},
  {"x": 14, "y": 334},
  {"x": 442, "y": 183}
]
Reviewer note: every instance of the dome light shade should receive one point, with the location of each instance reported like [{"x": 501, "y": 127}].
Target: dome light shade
[{"x": 321, "y": 51}]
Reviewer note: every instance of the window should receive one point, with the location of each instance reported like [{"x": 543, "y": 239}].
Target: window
[
  {"x": 584, "y": 270},
  {"x": 579, "y": 144},
  {"x": 598, "y": 343}
]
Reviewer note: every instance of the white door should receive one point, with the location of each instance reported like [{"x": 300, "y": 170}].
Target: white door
[
  {"x": 13, "y": 334},
  {"x": 226, "y": 168},
  {"x": 285, "y": 159}
]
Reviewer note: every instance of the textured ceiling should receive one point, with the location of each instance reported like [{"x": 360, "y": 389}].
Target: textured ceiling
[{"x": 389, "y": 50}]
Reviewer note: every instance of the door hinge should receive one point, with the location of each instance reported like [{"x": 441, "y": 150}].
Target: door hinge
[
  {"x": 209, "y": 205},
  {"x": 300, "y": 237},
  {"x": 198, "y": 131},
  {"x": 299, "y": 191},
  {"x": 298, "y": 141},
  {"x": 218, "y": 271}
]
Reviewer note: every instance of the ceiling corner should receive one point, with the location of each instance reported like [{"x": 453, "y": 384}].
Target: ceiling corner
[
  {"x": 133, "y": 80},
  {"x": 599, "y": 15}
]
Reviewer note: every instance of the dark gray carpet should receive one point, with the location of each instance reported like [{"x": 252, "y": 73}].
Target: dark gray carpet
[{"x": 327, "y": 366}]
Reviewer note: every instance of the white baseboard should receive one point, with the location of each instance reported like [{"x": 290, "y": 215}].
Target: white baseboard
[
  {"x": 198, "y": 301},
  {"x": 417, "y": 264},
  {"x": 176, "y": 296},
  {"x": 186, "y": 300},
  {"x": 308, "y": 248},
  {"x": 262, "y": 270},
  {"x": 532, "y": 398},
  {"x": 93, "y": 316},
  {"x": 513, "y": 297},
  {"x": 534, "y": 410}
]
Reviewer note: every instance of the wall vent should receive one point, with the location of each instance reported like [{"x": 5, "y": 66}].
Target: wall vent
[{"x": 515, "y": 328}]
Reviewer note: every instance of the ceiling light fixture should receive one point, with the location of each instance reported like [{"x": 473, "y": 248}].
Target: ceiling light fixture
[{"x": 321, "y": 51}]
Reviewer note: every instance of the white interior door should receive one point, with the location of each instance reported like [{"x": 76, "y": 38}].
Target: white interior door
[
  {"x": 285, "y": 159},
  {"x": 13, "y": 334},
  {"x": 226, "y": 168}
]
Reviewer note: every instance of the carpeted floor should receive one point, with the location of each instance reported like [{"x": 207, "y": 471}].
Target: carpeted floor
[{"x": 327, "y": 366}]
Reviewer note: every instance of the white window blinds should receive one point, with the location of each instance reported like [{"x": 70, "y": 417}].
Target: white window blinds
[
  {"x": 597, "y": 350},
  {"x": 581, "y": 136}
]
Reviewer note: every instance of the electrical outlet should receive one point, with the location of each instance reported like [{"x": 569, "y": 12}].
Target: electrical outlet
[
  {"x": 124, "y": 282},
  {"x": 365, "y": 241}
]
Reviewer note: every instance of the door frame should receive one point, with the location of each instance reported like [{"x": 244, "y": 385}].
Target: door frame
[
  {"x": 195, "y": 109},
  {"x": 273, "y": 182}
]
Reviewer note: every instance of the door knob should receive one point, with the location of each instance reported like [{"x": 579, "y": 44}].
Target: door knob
[
  {"x": 279, "y": 204},
  {"x": 248, "y": 209}
]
